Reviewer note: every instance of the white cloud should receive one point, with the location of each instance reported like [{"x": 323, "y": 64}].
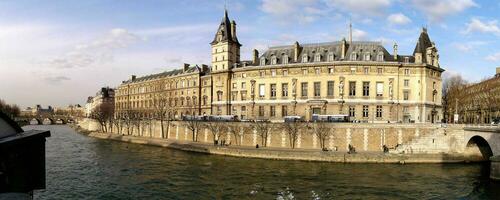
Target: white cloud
[
  {"x": 468, "y": 46},
  {"x": 476, "y": 25},
  {"x": 291, "y": 11},
  {"x": 358, "y": 34},
  {"x": 398, "y": 19},
  {"x": 98, "y": 50},
  {"x": 494, "y": 57},
  {"x": 54, "y": 80},
  {"x": 438, "y": 10},
  {"x": 362, "y": 7}
]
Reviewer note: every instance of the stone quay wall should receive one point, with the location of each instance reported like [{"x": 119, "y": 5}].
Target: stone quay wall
[{"x": 363, "y": 137}]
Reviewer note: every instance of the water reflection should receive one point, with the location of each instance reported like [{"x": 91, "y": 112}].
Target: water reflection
[{"x": 79, "y": 167}]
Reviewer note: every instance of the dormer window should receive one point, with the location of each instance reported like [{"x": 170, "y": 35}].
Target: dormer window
[
  {"x": 304, "y": 58},
  {"x": 353, "y": 56},
  {"x": 367, "y": 57},
  {"x": 263, "y": 61},
  {"x": 331, "y": 57},
  {"x": 407, "y": 60},
  {"x": 284, "y": 59},
  {"x": 317, "y": 57},
  {"x": 273, "y": 60},
  {"x": 380, "y": 57}
]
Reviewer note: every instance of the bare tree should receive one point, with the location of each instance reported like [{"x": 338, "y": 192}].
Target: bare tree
[
  {"x": 452, "y": 90},
  {"x": 262, "y": 128},
  {"x": 322, "y": 132},
  {"x": 162, "y": 109},
  {"x": 217, "y": 128},
  {"x": 10, "y": 110},
  {"x": 238, "y": 130},
  {"x": 102, "y": 114},
  {"x": 292, "y": 130}
]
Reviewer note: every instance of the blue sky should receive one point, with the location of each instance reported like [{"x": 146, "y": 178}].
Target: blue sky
[{"x": 60, "y": 52}]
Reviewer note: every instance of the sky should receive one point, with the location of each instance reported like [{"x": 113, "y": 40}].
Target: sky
[{"x": 59, "y": 52}]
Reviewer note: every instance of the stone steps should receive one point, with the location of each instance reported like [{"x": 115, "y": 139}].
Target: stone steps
[{"x": 433, "y": 143}]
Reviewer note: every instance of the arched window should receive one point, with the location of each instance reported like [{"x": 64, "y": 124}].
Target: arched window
[
  {"x": 317, "y": 57},
  {"x": 284, "y": 59},
  {"x": 367, "y": 57},
  {"x": 273, "y": 60},
  {"x": 380, "y": 57},
  {"x": 354, "y": 56},
  {"x": 263, "y": 61},
  {"x": 304, "y": 58}
]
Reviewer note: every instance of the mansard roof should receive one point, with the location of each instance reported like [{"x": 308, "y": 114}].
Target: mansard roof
[
  {"x": 325, "y": 49},
  {"x": 170, "y": 73}
]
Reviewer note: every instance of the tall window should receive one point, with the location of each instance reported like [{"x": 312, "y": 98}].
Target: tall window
[
  {"x": 353, "y": 56},
  {"x": 284, "y": 111},
  {"x": 407, "y": 71},
  {"x": 284, "y": 89},
  {"x": 317, "y": 57},
  {"x": 406, "y": 82},
  {"x": 365, "y": 111},
  {"x": 262, "y": 90},
  {"x": 406, "y": 95},
  {"x": 352, "y": 111},
  {"x": 330, "y": 57},
  {"x": 304, "y": 89},
  {"x": 243, "y": 85},
  {"x": 273, "y": 111},
  {"x": 219, "y": 96},
  {"x": 304, "y": 58},
  {"x": 380, "y": 57},
  {"x": 380, "y": 89},
  {"x": 261, "y": 111},
  {"x": 273, "y": 72},
  {"x": 379, "y": 111},
  {"x": 367, "y": 57},
  {"x": 244, "y": 95},
  {"x": 366, "y": 89},
  {"x": 263, "y": 61},
  {"x": 330, "y": 87},
  {"x": 352, "y": 88},
  {"x": 273, "y": 60},
  {"x": 317, "y": 89},
  {"x": 284, "y": 59},
  {"x": 273, "y": 90}
]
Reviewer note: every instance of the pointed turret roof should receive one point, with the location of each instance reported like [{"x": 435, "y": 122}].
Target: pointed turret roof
[
  {"x": 224, "y": 31},
  {"x": 423, "y": 42}
]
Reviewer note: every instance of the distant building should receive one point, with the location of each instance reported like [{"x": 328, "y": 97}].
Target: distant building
[
  {"x": 480, "y": 102},
  {"x": 104, "y": 96},
  {"x": 361, "y": 79},
  {"x": 37, "y": 110},
  {"x": 72, "y": 110}
]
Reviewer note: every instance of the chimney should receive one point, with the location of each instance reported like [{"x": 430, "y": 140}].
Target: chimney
[
  {"x": 296, "y": 48},
  {"x": 255, "y": 56},
  {"x": 344, "y": 49},
  {"x": 395, "y": 47},
  {"x": 132, "y": 77},
  {"x": 233, "y": 30},
  {"x": 186, "y": 67}
]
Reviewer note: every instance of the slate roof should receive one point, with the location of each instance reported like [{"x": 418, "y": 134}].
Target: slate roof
[
  {"x": 361, "y": 48},
  {"x": 174, "y": 72},
  {"x": 225, "y": 30}
]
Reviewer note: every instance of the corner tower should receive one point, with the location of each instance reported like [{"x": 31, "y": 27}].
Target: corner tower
[{"x": 225, "y": 54}]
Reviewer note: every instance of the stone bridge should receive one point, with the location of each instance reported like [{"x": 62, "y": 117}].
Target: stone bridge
[
  {"x": 482, "y": 141},
  {"x": 46, "y": 119}
]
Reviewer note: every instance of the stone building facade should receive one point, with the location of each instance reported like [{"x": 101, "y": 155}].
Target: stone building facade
[
  {"x": 479, "y": 103},
  {"x": 356, "y": 78}
]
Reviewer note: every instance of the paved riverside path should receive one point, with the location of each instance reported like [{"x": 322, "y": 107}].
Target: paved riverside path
[{"x": 277, "y": 153}]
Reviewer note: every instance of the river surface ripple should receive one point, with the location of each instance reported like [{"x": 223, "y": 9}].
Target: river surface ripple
[{"x": 80, "y": 167}]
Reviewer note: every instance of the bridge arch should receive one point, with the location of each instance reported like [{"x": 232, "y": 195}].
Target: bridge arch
[
  {"x": 35, "y": 121},
  {"x": 478, "y": 149}
]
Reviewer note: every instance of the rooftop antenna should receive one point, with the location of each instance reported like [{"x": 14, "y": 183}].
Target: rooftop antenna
[{"x": 350, "y": 31}]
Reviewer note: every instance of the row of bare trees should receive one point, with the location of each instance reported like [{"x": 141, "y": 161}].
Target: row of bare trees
[{"x": 10, "y": 110}]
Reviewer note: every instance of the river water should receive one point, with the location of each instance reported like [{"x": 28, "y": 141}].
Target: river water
[{"x": 80, "y": 167}]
